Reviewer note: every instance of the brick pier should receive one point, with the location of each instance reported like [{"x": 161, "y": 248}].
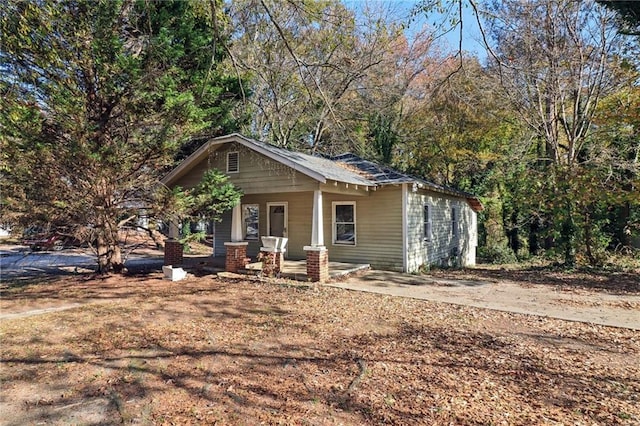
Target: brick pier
[
  {"x": 236, "y": 257},
  {"x": 172, "y": 252},
  {"x": 317, "y": 263}
]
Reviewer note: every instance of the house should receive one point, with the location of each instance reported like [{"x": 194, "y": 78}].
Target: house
[{"x": 342, "y": 208}]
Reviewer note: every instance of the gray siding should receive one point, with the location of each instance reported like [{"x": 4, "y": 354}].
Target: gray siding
[
  {"x": 441, "y": 249},
  {"x": 222, "y": 234}
]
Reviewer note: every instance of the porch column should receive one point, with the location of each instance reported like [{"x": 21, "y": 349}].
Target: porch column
[
  {"x": 174, "y": 232},
  {"x": 236, "y": 253},
  {"x": 317, "y": 254},
  {"x": 173, "y": 252},
  {"x": 236, "y": 223},
  {"x": 317, "y": 228}
]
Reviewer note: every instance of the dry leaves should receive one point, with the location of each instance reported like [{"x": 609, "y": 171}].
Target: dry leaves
[{"x": 208, "y": 351}]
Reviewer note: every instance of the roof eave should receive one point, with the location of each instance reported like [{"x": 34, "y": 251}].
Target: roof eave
[
  {"x": 250, "y": 143},
  {"x": 186, "y": 164},
  {"x": 200, "y": 153},
  {"x": 474, "y": 202}
]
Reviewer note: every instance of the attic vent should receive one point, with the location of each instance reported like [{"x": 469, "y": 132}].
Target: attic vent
[{"x": 233, "y": 162}]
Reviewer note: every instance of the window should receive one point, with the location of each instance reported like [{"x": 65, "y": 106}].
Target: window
[
  {"x": 454, "y": 222},
  {"x": 233, "y": 162},
  {"x": 250, "y": 214},
  {"x": 344, "y": 223},
  {"x": 426, "y": 223}
]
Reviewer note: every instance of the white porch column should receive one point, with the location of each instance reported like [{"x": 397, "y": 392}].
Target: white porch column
[
  {"x": 236, "y": 223},
  {"x": 317, "y": 229}
]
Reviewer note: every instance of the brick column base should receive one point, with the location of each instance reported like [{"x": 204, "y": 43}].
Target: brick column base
[
  {"x": 317, "y": 263},
  {"x": 272, "y": 261},
  {"x": 236, "y": 256},
  {"x": 172, "y": 252}
]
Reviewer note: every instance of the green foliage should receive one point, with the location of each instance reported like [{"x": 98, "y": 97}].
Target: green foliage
[
  {"x": 213, "y": 196},
  {"x": 497, "y": 254},
  {"x": 384, "y": 136},
  {"x": 97, "y": 98},
  {"x": 628, "y": 13}
]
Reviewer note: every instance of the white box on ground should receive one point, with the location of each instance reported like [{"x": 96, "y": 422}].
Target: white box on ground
[{"x": 174, "y": 274}]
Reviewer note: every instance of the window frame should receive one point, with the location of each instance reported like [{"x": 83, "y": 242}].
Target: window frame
[
  {"x": 427, "y": 226},
  {"x": 245, "y": 223},
  {"x": 237, "y": 154},
  {"x": 455, "y": 232},
  {"x": 334, "y": 224}
]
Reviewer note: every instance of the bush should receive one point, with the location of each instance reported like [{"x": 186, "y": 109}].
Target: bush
[{"x": 497, "y": 254}]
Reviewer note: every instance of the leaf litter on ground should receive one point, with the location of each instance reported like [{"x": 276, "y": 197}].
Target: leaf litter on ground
[{"x": 208, "y": 350}]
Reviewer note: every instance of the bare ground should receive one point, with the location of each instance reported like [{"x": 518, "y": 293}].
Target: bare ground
[{"x": 141, "y": 350}]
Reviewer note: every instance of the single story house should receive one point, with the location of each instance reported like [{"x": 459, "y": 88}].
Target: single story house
[{"x": 342, "y": 208}]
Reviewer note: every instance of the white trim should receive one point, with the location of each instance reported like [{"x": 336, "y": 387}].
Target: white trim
[
  {"x": 317, "y": 220},
  {"x": 429, "y": 237},
  {"x": 333, "y": 223},
  {"x": 405, "y": 233},
  {"x": 236, "y": 243},
  {"x": 236, "y": 223},
  {"x": 285, "y": 204},
  {"x": 455, "y": 222},
  {"x": 249, "y": 143},
  {"x": 237, "y": 153},
  {"x": 314, "y": 248}
]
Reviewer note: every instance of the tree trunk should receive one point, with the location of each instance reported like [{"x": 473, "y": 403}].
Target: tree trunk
[
  {"x": 622, "y": 236},
  {"x": 109, "y": 257},
  {"x": 568, "y": 235},
  {"x": 588, "y": 240},
  {"x": 534, "y": 231},
  {"x": 108, "y": 247}
]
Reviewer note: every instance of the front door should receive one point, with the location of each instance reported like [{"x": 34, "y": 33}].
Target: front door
[{"x": 277, "y": 219}]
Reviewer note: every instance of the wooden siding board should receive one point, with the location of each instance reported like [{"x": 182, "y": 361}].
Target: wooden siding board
[
  {"x": 300, "y": 206},
  {"x": 378, "y": 230},
  {"x": 258, "y": 174},
  {"x": 440, "y": 248},
  {"x": 222, "y": 234}
]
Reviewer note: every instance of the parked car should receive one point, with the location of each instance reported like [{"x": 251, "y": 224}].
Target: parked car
[{"x": 37, "y": 239}]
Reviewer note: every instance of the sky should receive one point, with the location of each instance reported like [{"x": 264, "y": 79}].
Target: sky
[{"x": 402, "y": 10}]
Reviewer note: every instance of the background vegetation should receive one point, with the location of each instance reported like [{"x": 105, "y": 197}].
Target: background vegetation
[{"x": 99, "y": 99}]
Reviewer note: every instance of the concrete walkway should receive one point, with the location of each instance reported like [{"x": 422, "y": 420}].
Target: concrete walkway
[{"x": 542, "y": 300}]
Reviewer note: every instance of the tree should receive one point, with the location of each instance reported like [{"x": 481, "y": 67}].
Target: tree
[
  {"x": 309, "y": 63},
  {"x": 97, "y": 97},
  {"x": 556, "y": 61},
  {"x": 628, "y": 13}
]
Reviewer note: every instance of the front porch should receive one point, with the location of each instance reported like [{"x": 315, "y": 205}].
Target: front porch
[{"x": 291, "y": 269}]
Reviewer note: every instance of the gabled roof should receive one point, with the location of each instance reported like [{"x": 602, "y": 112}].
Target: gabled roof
[
  {"x": 383, "y": 175},
  {"x": 318, "y": 168},
  {"x": 346, "y": 168}
]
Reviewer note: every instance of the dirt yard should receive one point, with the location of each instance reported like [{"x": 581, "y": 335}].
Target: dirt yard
[{"x": 141, "y": 350}]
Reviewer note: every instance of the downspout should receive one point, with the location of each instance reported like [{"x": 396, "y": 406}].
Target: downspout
[{"x": 405, "y": 221}]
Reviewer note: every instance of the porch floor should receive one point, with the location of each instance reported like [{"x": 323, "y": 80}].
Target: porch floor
[{"x": 293, "y": 269}]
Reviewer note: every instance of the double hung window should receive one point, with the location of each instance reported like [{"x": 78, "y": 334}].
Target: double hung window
[{"x": 344, "y": 222}]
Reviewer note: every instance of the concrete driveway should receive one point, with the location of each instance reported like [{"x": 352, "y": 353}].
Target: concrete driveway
[
  {"x": 542, "y": 300},
  {"x": 17, "y": 262}
]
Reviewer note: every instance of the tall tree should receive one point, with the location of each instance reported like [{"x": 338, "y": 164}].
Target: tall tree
[
  {"x": 308, "y": 62},
  {"x": 97, "y": 97},
  {"x": 556, "y": 61},
  {"x": 628, "y": 13}
]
